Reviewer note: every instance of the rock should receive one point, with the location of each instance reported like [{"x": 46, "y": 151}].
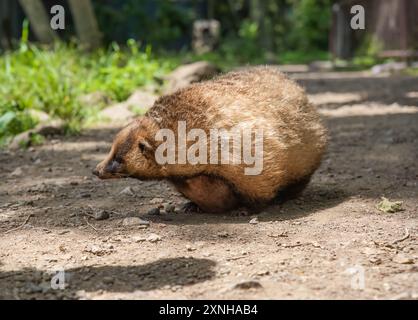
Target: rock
[
  {"x": 388, "y": 206},
  {"x": 223, "y": 234},
  {"x": 154, "y": 212},
  {"x": 190, "y": 248},
  {"x": 52, "y": 128},
  {"x": 390, "y": 67},
  {"x": 127, "y": 191},
  {"x": 108, "y": 280},
  {"x": 190, "y": 73},
  {"x": 321, "y": 66},
  {"x": 140, "y": 101},
  {"x": 99, "y": 250},
  {"x": 254, "y": 221},
  {"x": 248, "y": 284},
  {"x": 169, "y": 208},
  {"x": 85, "y": 194},
  {"x": 375, "y": 260},
  {"x": 372, "y": 251},
  {"x": 101, "y": 215},
  {"x": 139, "y": 238},
  {"x": 153, "y": 238},
  {"x": 24, "y": 139},
  {"x": 16, "y": 172},
  {"x": 156, "y": 200},
  {"x": 402, "y": 259},
  {"x": 134, "y": 221},
  {"x": 117, "y": 112},
  {"x": 21, "y": 140},
  {"x": 40, "y": 116}
]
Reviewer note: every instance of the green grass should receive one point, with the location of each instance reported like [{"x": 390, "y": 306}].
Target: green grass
[{"x": 53, "y": 79}]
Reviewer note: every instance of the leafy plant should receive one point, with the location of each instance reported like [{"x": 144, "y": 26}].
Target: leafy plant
[{"x": 53, "y": 79}]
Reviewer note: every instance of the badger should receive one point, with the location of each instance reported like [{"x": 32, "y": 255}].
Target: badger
[{"x": 260, "y": 105}]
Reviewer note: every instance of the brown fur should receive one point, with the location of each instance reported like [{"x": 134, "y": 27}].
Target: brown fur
[{"x": 260, "y": 97}]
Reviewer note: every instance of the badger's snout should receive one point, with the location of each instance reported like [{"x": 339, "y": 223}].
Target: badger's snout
[{"x": 109, "y": 170}]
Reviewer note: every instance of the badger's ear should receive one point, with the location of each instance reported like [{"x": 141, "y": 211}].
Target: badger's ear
[{"x": 146, "y": 148}]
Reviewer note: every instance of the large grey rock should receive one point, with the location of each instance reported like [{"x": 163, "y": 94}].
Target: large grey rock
[
  {"x": 140, "y": 101},
  {"x": 48, "y": 128},
  {"x": 117, "y": 112},
  {"x": 190, "y": 73}
]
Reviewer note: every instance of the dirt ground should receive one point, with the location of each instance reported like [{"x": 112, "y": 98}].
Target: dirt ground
[{"x": 330, "y": 243}]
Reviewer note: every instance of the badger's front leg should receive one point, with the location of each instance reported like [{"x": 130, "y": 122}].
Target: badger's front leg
[{"x": 208, "y": 193}]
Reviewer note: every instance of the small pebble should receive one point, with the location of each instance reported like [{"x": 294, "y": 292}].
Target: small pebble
[
  {"x": 154, "y": 212},
  {"x": 135, "y": 221},
  {"x": 245, "y": 285},
  {"x": 402, "y": 259},
  {"x": 169, "y": 208},
  {"x": 127, "y": 191},
  {"x": 254, "y": 221},
  {"x": 101, "y": 215},
  {"x": 153, "y": 237}
]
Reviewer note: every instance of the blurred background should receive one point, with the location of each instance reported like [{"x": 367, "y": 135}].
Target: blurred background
[{"x": 114, "y": 47}]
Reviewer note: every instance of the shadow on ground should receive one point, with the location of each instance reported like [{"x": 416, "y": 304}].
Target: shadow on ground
[{"x": 150, "y": 276}]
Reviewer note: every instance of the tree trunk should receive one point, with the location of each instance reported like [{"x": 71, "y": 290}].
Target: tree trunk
[
  {"x": 85, "y": 23},
  {"x": 39, "y": 20}
]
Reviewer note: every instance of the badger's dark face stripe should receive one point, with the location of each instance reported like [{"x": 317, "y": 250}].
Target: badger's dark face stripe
[{"x": 124, "y": 147}]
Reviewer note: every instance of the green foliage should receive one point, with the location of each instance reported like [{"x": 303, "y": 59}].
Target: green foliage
[
  {"x": 367, "y": 55},
  {"x": 298, "y": 56},
  {"x": 310, "y": 22},
  {"x": 156, "y": 22},
  {"x": 53, "y": 79}
]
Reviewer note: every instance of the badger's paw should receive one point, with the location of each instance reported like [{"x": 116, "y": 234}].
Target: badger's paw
[{"x": 190, "y": 207}]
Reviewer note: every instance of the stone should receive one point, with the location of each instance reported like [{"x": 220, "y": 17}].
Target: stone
[
  {"x": 187, "y": 74},
  {"x": 127, "y": 191},
  {"x": 135, "y": 221},
  {"x": 248, "y": 284},
  {"x": 153, "y": 238},
  {"x": 140, "y": 101},
  {"x": 16, "y": 172},
  {"x": 101, "y": 215},
  {"x": 156, "y": 200},
  {"x": 402, "y": 259},
  {"x": 169, "y": 208},
  {"x": 117, "y": 112},
  {"x": 154, "y": 212},
  {"x": 254, "y": 221}
]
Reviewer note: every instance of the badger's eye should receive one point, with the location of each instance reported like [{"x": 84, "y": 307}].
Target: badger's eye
[{"x": 118, "y": 159}]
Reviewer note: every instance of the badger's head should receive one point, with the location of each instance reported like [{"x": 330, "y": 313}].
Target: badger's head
[{"x": 132, "y": 153}]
